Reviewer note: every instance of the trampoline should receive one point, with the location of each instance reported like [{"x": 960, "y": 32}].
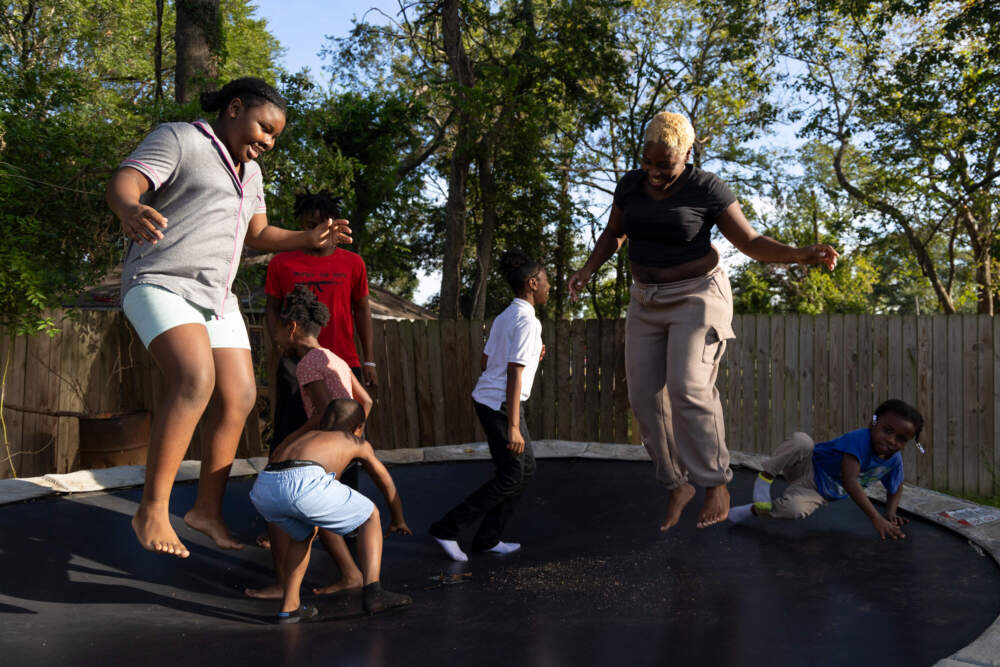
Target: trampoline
[{"x": 595, "y": 584}]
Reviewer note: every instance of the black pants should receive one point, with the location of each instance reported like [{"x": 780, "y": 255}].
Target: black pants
[
  {"x": 290, "y": 412},
  {"x": 495, "y": 500}
]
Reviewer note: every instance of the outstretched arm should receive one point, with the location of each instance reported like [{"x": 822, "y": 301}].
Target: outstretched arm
[
  {"x": 268, "y": 238},
  {"x": 384, "y": 482},
  {"x": 608, "y": 243},
  {"x": 850, "y": 468},
  {"x": 734, "y": 226}
]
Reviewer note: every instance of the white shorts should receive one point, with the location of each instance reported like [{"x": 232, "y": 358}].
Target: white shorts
[{"x": 152, "y": 310}]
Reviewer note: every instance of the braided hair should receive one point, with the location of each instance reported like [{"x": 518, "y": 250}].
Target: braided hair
[
  {"x": 517, "y": 268},
  {"x": 322, "y": 201},
  {"x": 252, "y": 91},
  {"x": 302, "y": 307},
  {"x": 904, "y": 410}
]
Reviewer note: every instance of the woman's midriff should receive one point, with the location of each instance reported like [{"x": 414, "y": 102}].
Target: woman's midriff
[{"x": 671, "y": 274}]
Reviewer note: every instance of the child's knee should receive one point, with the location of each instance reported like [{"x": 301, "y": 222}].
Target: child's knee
[{"x": 195, "y": 385}]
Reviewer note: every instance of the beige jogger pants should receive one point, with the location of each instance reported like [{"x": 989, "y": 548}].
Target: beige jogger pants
[
  {"x": 793, "y": 461},
  {"x": 675, "y": 336}
]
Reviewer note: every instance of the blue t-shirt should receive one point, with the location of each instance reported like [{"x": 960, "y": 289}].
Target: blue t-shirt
[{"x": 827, "y": 458}]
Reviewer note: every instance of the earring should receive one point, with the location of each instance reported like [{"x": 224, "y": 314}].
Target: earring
[{"x": 874, "y": 419}]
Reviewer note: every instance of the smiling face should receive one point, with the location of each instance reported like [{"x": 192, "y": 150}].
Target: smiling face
[
  {"x": 663, "y": 165},
  {"x": 890, "y": 433},
  {"x": 249, "y": 131}
]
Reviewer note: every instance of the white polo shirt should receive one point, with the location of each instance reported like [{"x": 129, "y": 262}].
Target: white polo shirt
[{"x": 515, "y": 337}]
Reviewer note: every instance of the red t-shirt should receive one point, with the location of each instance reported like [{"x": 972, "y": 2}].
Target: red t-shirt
[{"x": 337, "y": 280}]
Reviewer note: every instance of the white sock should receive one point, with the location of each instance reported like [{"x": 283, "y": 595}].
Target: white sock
[
  {"x": 452, "y": 549},
  {"x": 505, "y": 547},
  {"x": 740, "y": 513},
  {"x": 762, "y": 490}
]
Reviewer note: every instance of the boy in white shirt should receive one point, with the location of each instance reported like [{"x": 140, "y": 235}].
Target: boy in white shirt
[{"x": 510, "y": 359}]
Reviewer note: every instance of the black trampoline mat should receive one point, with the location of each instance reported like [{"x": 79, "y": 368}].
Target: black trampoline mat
[{"x": 595, "y": 584}]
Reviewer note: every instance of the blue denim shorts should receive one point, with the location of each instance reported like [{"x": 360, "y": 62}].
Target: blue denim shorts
[{"x": 296, "y": 499}]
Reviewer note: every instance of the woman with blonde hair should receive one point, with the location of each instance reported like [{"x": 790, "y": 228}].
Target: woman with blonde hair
[{"x": 681, "y": 308}]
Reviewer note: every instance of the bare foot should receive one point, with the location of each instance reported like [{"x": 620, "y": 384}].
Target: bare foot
[
  {"x": 214, "y": 528},
  {"x": 264, "y": 541},
  {"x": 156, "y": 534},
  {"x": 679, "y": 498},
  {"x": 272, "y": 592},
  {"x": 345, "y": 584},
  {"x": 716, "y": 507}
]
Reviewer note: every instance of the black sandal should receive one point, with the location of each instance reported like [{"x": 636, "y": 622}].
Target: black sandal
[{"x": 303, "y": 612}]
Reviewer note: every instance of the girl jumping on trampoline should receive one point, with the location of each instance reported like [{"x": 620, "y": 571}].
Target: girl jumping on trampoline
[
  {"x": 828, "y": 471},
  {"x": 189, "y": 197},
  {"x": 513, "y": 350}
]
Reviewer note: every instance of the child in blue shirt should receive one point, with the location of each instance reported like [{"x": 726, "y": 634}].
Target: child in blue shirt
[{"x": 834, "y": 470}]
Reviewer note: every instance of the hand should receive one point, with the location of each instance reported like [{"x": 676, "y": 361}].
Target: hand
[
  {"x": 142, "y": 223},
  {"x": 888, "y": 529},
  {"x": 330, "y": 233},
  {"x": 399, "y": 528},
  {"x": 515, "y": 441},
  {"x": 577, "y": 282},
  {"x": 542, "y": 355},
  {"x": 895, "y": 520},
  {"x": 821, "y": 253},
  {"x": 370, "y": 376}
]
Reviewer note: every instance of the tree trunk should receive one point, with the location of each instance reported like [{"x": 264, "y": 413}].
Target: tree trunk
[
  {"x": 484, "y": 248},
  {"x": 158, "y": 51},
  {"x": 198, "y": 41},
  {"x": 455, "y": 208},
  {"x": 564, "y": 231}
]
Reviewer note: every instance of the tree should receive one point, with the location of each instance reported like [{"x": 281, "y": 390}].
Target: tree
[
  {"x": 906, "y": 95},
  {"x": 198, "y": 42}
]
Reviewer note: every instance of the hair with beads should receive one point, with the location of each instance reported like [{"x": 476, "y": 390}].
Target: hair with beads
[{"x": 904, "y": 410}]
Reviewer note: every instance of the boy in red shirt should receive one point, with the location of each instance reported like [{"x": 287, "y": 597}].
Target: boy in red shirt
[{"x": 339, "y": 280}]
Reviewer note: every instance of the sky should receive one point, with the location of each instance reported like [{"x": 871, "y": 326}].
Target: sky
[{"x": 302, "y": 26}]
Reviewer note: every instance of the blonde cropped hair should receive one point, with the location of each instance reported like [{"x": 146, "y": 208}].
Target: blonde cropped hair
[{"x": 671, "y": 129}]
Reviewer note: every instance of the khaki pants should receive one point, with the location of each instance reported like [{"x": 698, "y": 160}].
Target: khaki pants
[
  {"x": 793, "y": 461},
  {"x": 675, "y": 336}
]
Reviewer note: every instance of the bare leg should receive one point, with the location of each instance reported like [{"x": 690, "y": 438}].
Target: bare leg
[
  {"x": 374, "y": 598},
  {"x": 234, "y": 397},
  {"x": 350, "y": 575},
  {"x": 716, "y": 507},
  {"x": 679, "y": 498},
  {"x": 184, "y": 356},
  {"x": 279, "y": 551},
  {"x": 370, "y": 547},
  {"x": 295, "y": 564}
]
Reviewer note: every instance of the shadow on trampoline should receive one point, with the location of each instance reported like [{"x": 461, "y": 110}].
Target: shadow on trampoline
[{"x": 596, "y": 583}]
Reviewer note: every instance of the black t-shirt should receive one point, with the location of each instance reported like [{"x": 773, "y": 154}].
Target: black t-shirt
[{"x": 675, "y": 230}]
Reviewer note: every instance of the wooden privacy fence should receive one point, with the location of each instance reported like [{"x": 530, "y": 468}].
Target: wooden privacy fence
[{"x": 823, "y": 375}]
